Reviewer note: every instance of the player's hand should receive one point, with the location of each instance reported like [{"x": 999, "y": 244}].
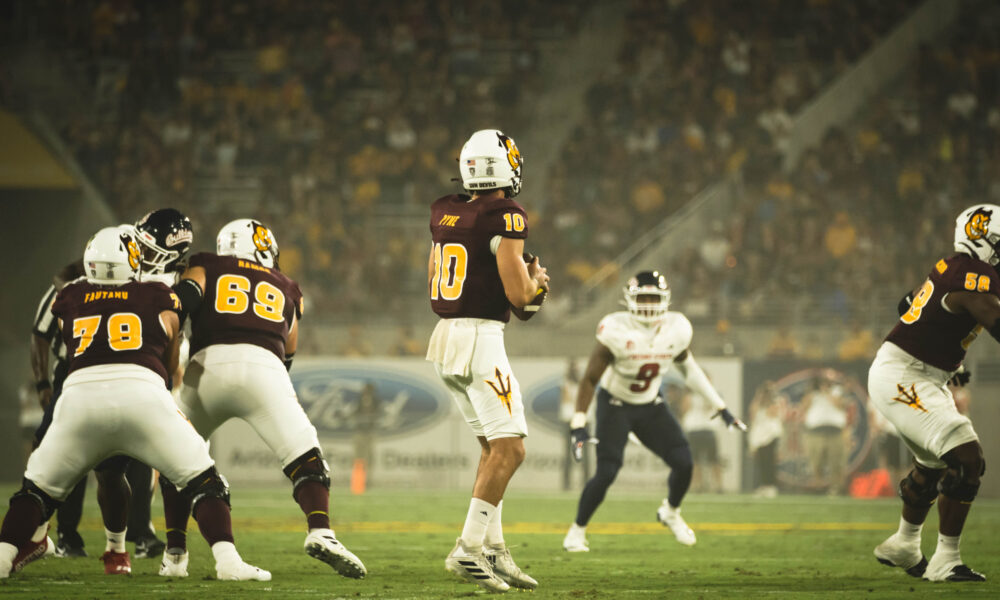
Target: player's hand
[
  {"x": 961, "y": 377},
  {"x": 730, "y": 420},
  {"x": 580, "y": 437}
]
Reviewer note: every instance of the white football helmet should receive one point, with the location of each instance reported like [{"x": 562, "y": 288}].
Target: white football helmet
[
  {"x": 976, "y": 233},
  {"x": 249, "y": 239},
  {"x": 490, "y": 160},
  {"x": 656, "y": 297},
  {"x": 112, "y": 256}
]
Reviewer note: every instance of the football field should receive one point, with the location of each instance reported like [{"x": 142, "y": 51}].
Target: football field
[{"x": 787, "y": 547}]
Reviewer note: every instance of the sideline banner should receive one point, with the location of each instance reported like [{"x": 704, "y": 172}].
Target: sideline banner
[{"x": 420, "y": 439}]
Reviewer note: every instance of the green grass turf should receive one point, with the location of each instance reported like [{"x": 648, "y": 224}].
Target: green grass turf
[{"x": 788, "y": 547}]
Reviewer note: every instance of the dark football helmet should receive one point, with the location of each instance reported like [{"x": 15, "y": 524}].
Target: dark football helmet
[
  {"x": 165, "y": 236},
  {"x": 655, "y": 296}
]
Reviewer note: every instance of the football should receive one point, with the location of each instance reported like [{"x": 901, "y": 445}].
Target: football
[{"x": 536, "y": 303}]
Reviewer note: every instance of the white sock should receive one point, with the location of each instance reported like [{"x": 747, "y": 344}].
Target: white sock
[
  {"x": 578, "y": 528},
  {"x": 494, "y": 529},
  {"x": 474, "y": 531},
  {"x": 40, "y": 532},
  {"x": 225, "y": 553},
  {"x": 8, "y": 552},
  {"x": 670, "y": 509},
  {"x": 947, "y": 545},
  {"x": 116, "y": 540},
  {"x": 332, "y": 532},
  {"x": 908, "y": 532}
]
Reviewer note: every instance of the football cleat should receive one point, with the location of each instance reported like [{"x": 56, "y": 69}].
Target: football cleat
[
  {"x": 671, "y": 517},
  {"x": 31, "y": 552},
  {"x": 240, "y": 571},
  {"x": 952, "y": 569},
  {"x": 149, "y": 547},
  {"x": 174, "y": 563},
  {"x": 576, "y": 539},
  {"x": 894, "y": 553},
  {"x": 474, "y": 567},
  {"x": 505, "y": 568},
  {"x": 116, "y": 563},
  {"x": 321, "y": 544},
  {"x": 70, "y": 546}
]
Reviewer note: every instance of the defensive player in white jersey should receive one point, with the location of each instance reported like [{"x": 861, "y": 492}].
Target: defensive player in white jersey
[
  {"x": 907, "y": 383},
  {"x": 634, "y": 348}
]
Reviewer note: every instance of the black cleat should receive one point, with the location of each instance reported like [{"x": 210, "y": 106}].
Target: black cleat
[
  {"x": 70, "y": 546},
  {"x": 964, "y": 573},
  {"x": 149, "y": 547},
  {"x": 916, "y": 570}
]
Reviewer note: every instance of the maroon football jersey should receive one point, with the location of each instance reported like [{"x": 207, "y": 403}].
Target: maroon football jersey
[
  {"x": 245, "y": 303},
  {"x": 927, "y": 331},
  {"x": 466, "y": 282},
  {"x": 104, "y": 325}
]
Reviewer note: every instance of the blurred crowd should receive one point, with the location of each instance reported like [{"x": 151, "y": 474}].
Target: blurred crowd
[
  {"x": 332, "y": 122},
  {"x": 337, "y": 123},
  {"x": 700, "y": 90},
  {"x": 864, "y": 216}
]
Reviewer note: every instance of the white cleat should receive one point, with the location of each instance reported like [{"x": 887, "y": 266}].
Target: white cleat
[
  {"x": 671, "y": 517},
  {"x": 474, "y": 567},
  {"x": 174, "y": 563},
  {"x": 894, "y": 553},
  {"x": 576, "y": 539},
  {"x": 505, "y": 568},
  {"x": 321, "y": 544},
  {"x": 950, "y": 569},
  {"x": 240, "y": 571}
]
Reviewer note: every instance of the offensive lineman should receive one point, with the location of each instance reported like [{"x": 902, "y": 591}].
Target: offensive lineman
[
  {"x": 244, "y": 331},
  {"x": 907, "y": 383},
  {"x": 638, "y": 345},
  {"x": 122, "y": 338},
  {"x": 475, "y": 274}
]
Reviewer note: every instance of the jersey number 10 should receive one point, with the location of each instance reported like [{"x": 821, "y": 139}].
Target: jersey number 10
[{"x": 451, "y": 262}]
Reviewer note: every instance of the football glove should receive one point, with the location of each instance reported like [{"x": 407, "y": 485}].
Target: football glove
[
  {"x": 961, "y": 377},
  {"x": 580, "y": 437},
  {"x": 730, "y": 420}
]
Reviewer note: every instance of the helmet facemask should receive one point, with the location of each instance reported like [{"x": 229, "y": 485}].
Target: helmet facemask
[
  {"x": 165, "y": 236},
  {"x": 647, "y": 297}
]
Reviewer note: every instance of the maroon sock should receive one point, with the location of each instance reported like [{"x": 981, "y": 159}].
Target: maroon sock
[
  {"x": 212, "y": 515},
  {"x": 113, "y": 494},
  {"x": 314, "y": 499},
  {"x": 176, "y": 510},
  {"x": 21, "y": 521}
]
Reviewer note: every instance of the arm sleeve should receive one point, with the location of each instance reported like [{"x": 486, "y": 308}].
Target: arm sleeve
[
  {"x": 45, "y": 325},
  {"x": 698, "y": 382}
]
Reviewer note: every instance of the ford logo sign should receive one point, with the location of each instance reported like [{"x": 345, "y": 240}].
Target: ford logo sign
[{"x": 395, "y": 403}]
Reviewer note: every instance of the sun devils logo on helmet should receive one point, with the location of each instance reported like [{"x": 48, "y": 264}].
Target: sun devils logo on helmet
[
  {"x": 261, "y": 237},
  {"x": 978, "y": 224},
  {"x": 134, "y": 255}
]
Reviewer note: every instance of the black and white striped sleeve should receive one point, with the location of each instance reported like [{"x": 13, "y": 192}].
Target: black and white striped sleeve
[{"x": 46, "y": 325}]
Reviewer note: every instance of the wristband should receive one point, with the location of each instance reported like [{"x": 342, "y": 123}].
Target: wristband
[
  {"x": 579, "y": 420},
  {"x": 42, "y": 385}
]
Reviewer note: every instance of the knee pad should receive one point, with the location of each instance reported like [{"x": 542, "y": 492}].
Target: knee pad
[
  {"x": 311, "y": 466},
  {"x": 920, "y": 495},
  {"x": 47, "y": 503},
  {"x": 962, "y": 479},
  {"x": 209, "y": 484}
]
